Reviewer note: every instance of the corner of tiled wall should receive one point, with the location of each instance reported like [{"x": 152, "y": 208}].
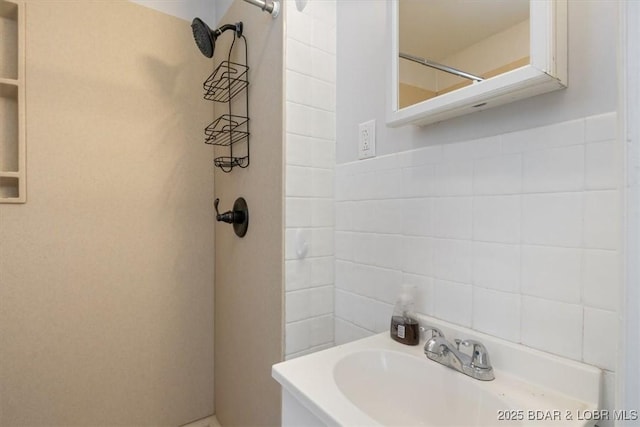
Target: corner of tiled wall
[
  {"x": 514, "y": 235},
  {"x": 310, "y": 62}
]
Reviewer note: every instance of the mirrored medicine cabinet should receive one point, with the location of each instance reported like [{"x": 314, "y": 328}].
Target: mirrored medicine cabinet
[{"x": 454, "y": 57}]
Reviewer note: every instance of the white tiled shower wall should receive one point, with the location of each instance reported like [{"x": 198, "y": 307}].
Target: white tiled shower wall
[
  {"x": 310, "y": 160},
  {"x": 514, "y": 235}
]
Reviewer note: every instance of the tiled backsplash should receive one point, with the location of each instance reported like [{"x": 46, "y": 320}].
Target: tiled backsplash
[
  {"x": 310, "y": 161},
  {"x": 514, "y": 235}
]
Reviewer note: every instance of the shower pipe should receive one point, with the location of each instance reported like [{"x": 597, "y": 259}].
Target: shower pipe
[
  {"x": 440, "y": 67},
  {"x": 273, "y": 7}
]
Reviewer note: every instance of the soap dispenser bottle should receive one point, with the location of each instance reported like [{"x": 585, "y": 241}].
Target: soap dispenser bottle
[{"x": 404, "y": 322}]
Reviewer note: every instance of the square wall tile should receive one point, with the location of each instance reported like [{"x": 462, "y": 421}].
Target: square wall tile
[
  {"x": 419, "y": 181},
  {"x": 364, "y": 251},
  {"x": 324, "y": 36},
  {"x": 323, "y": 153},
  {"x": 321, "y": 242},
  {"x": 322, "y": 213},
  {"x": 299, "y": 25},
  {"x": 346, "y": 332},
  {"x": 552, "y": 273},
  {"x": 477, "y": 148},
  {"x": 424, "y": 292},
  {"x": 321, "y": 183},
  {"x": 321, "y": 95},
  {"x": 364, "y": 312},
  {"x": 299, "y": 119},
  {"x": 454, "y": 178},
  {"x": 344, "y": 275},
  {"x": 388, "y": 184},
  {"x": 297, "y": 274},
  {"x": 383, "y": 314},
  {"x": 453, "y": 302},
  {"x": 323, "y": 12},
  {"x": 418, "y": 255},
  {"x": 322, "y": 271},
  {"x": 452, "y": 217},
  {"x": 302, "y": 335},
  {"x": 601, "y": 279},
  {"x": 421, "y": 156},
  {"x": 497, "y": 313},
  {"x": 298, "y": 243},
  {"x": 344, "y": 185},
  {"x": 323, "y": 64},
  {"x": 498, "y": 175},
  {"x": 298, "y": 212},
  {"x": 296, "y": 337},
  {"x": 388, "y": 251},
  {"x": 601, "y": 127},
  {"x": 380, "y": 216},
  {"x": 364, "y": 186},
  {"x": 360, "y": 216},
  {"x": 386, "y": 284},
  {"x": 496, "y": 266},
  {"x": 551, "y": 326},
  {"x": 342, "y": 305},
  {"x": 452, "y": 260},
  {"x": 298, "y": 150},
  {"x": 365, "y": 280},
  {"x": 320, "y": 330},
  {"x": 298, "y": 57},
  {"x": 602, "y": 217},
  {"x": 296, "y": 87},
  {"x": 497, "y": 219},
  {"x": 602, "y": 166},
  {"x": 417, "y": 217},
  {"x": 600, "y": 338},
  {"x": 307, "y": 303},
  {"x": 298, "y": 181},
  {"x": 344, "y": 246},
  {"x": 554, "y": 170},
  {"x": 552, "y": 219},
  {"x": 344, "y": 216},
  {"x": 557, "y": 135}
]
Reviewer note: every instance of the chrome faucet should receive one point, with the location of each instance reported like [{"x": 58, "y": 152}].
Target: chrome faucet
[{"x": 477, "y": 365}]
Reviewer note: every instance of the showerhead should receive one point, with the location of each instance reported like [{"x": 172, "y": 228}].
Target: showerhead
[{"x": 205, "y": 38}]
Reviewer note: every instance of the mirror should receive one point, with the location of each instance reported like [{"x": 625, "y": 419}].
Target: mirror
[{"x": 453, "y": 57}]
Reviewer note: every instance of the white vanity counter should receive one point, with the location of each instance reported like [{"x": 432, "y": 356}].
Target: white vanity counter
[{"x": 379, "y": 382}]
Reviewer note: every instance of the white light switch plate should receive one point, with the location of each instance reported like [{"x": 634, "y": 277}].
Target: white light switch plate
[{"x": 367, "y": 139}]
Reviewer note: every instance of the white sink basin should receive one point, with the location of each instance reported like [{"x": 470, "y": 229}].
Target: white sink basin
[
  {"x": 402, "y": 389},
  {"x": 379, "y": 382}
]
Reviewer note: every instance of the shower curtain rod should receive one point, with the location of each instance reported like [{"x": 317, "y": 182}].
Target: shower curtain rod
[
  {"x": 440, "y": 67},
  {"x": 273, "y": 7}
]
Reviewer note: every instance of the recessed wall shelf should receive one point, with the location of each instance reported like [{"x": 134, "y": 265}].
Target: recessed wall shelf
[{"x": 12, "y": 102}]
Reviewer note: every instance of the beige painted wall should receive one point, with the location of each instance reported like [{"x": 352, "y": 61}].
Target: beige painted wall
[
  {"x": 249, "y": 271},
  {"x": 106, "y": 273}
]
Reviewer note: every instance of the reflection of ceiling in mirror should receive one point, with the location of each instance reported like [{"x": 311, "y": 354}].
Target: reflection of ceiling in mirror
[{"x": 435, "y": 29}]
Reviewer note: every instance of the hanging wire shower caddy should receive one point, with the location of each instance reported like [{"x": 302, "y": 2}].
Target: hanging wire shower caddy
[{"x": 226, "y": 82}]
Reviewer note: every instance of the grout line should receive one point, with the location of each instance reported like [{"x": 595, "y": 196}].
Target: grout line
[{"x": 312, "y": 107}]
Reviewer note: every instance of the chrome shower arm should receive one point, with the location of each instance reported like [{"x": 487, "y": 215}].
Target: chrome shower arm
[
  {"x": 273, "y": 7},
  {"x": 440, "y": 67}
]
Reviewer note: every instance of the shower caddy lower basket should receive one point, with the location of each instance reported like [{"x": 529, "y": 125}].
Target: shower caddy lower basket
[{"x": 231, "y": 129}]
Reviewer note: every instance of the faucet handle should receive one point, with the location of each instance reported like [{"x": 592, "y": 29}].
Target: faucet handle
[
  {"x": 435, "y": 332},
  {"x": 479, "y": 355}
]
